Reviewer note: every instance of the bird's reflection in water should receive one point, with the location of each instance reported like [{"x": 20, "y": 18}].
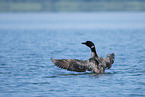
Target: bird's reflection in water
[{"x": 87, "y": 73}]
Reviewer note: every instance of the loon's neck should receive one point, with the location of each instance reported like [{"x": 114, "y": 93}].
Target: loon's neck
[{"x": 94, "y": 54}]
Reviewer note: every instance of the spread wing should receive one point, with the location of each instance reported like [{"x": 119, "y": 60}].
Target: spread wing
[
  {"x": 71, "y": 64},
  {"x": 109, "y": 60}
]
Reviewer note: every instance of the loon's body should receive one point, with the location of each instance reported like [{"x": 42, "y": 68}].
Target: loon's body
[{"x": 95, "y": 64}]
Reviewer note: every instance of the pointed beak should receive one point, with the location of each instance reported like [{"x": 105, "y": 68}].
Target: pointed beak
[{"x": 83, "y": 43}]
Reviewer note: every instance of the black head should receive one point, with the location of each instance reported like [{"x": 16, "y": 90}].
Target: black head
[{"x": 89, "y": 44}]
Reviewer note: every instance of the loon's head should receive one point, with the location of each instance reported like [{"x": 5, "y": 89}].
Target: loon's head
[{"x": 89, "y": 44}]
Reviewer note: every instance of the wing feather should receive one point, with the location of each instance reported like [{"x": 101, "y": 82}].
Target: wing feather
[
  {"x": 109, "y": 60},
  {"x": 71, "y": 64}
]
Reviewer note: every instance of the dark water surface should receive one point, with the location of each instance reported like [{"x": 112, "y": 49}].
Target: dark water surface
[{"x": 29, "y": 40}]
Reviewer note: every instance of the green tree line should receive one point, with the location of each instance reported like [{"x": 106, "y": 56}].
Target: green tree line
[{"x": 71, "y": 5}]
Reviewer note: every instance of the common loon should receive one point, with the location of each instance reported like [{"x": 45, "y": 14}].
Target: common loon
[{"x": 95, "y": 63}]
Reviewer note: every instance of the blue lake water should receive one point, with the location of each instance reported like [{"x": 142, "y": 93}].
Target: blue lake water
[{"x": 29, "y": 40}]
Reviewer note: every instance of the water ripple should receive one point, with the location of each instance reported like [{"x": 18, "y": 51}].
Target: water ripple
[{"x": 26, "y": 49}]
